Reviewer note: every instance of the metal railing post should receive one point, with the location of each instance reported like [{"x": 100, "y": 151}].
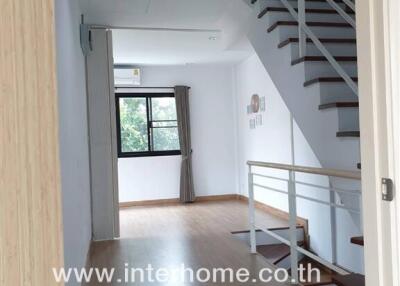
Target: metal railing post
[
  {"x": 252, "y": 213},
  {"x": 302, "y": 21},
  {"x": 332, "y": 199},
  {"x": 291, "y": 192},
  {"x": 293, "y": 227}
]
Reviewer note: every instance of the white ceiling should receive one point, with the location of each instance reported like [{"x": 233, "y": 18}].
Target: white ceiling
[{"x": 224, "y": 44}]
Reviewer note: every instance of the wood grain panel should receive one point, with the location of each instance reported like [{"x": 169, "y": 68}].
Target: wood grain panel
[{"x": 30, "y": 203}]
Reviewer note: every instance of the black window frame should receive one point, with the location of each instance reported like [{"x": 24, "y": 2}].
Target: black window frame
[{"x": 150, "y": 153}]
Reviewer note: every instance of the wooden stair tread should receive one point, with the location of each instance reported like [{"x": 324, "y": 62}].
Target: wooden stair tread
[
  {"x": 359, "y": 240},
  {"x": 338, "y": 1},
  {"x": 348, "y": 134},
  {"x": 326, "y": 80},
  {"x": 339, "y": 105},
  {"x": 310, "y": 24},
  {"x": 274, "y": 253},
  {"x": 308, "y": 10},
  {"x": 349, "y": 280},
  {"x": 324, "y": 59},
  {"x": 322, "y": 40}
]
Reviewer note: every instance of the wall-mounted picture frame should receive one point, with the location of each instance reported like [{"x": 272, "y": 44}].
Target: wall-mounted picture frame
[
  {"x": 252, "y": 123},
  {"x": 249, "y": 111},
  {"x": 255, "y": 103},
  {"x": 259, "y": 120},
  {"x": 262, "y": 104}
]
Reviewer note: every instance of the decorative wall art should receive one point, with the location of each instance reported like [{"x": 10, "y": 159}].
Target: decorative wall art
[
  {"x": 249, "y": 109},
  {"x": 259, "y": 120},
  {"x": 255, "y": 103},
  {"x": 262, "y": 104},
  {"x": 255, "y": 109},
  {"x": 252, "y": 123}
]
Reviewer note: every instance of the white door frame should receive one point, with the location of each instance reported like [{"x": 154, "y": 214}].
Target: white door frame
[{"x": 378, "y": 43}]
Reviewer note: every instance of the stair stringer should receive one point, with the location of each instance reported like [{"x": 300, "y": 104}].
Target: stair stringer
[{"x": 319, "y": 127}]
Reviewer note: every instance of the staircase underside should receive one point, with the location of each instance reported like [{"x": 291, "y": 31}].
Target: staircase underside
[{"x": 333, "y": 140}]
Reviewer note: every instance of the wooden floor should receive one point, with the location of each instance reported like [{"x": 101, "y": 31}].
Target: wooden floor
[{"x": 197, "y": 235}]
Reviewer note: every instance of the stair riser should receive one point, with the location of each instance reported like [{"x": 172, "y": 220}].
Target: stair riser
[
  {"x": 325, "y": 69},
  {"x": 311, "y": 5},
  {"x": 321, "y": 32},
  {"x": 312, "y": 17},
  {"x": 349, "y": 119},
  {"x": 333, "y": 92},
  {"x": 334, "y": 49}
]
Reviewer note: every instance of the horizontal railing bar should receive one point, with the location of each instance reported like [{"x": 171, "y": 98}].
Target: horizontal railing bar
[
  {"x": 270, "y": 177},
  {"x": 342, "y": 13},
  {"x": 350, "y": 4},
  {"x": 307, "y": 253},
  {"x": 337, "y": 190},
  {"x": 328, "y": 204},
  {"x": 350, "y": 192},
  {"x": 161, "y": 29},
  {"x": 354, "y": 175},
  {"x": 271, "y": 189},
  {"x": 309, "y": 199}
]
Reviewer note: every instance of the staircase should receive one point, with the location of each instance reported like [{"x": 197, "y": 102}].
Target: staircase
[
  {"x": 278, "y": 254},
  {"x": 323, "y": 101}
]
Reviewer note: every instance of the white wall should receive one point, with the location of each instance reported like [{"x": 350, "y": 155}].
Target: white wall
[
  {"x": 271, "y": 142},
  {"x": 148, "y": 178},
  {"x": 73, "y": 135},
  {"x": 213, "y": 137}
]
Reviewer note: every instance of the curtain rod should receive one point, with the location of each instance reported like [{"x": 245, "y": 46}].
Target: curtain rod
[
  {"x": 155, "y": 87},
  {"x": 95, "y": 26}
]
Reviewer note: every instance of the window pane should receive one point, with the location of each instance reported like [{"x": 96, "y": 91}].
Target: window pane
[
  {"x": 165, "y": 139},
  {"x": 133, "y": 122},
  {"x": 163, "y": 108},
  {"x": 157, "y": 124}
]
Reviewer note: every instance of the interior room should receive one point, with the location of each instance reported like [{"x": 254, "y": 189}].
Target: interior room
[
  {"x": 191, "y": 102},
  {"x": 199, "y": 142}
]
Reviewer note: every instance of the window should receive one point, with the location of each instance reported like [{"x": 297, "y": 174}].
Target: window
[{"x": 147, "y": 124}]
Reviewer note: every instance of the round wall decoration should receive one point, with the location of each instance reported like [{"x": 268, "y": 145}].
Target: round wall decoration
[{"x": 255, "y": 103}]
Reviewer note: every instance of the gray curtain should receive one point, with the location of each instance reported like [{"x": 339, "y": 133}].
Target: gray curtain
[{"x": 182, "y": 107}]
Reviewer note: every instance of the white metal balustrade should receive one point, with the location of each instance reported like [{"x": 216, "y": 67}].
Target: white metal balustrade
[{"x": 292, "y": 197}]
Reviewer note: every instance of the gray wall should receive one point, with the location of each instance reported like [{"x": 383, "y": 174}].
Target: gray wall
[{"x": 73, "y": 134}]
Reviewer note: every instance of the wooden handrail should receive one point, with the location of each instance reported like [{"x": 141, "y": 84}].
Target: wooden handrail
[{"x": 354, "y": 175}]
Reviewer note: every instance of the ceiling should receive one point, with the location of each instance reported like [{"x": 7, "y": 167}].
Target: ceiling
[{"x": 193, "y": 31}]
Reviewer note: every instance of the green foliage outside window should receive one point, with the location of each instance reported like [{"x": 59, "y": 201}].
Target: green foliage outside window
[
  {"x": 133, "y": 122},
  {"x": 134, "y": 126}
]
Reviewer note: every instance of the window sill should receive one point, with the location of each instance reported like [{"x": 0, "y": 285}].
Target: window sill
[{"x": 149, "y": 154}]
